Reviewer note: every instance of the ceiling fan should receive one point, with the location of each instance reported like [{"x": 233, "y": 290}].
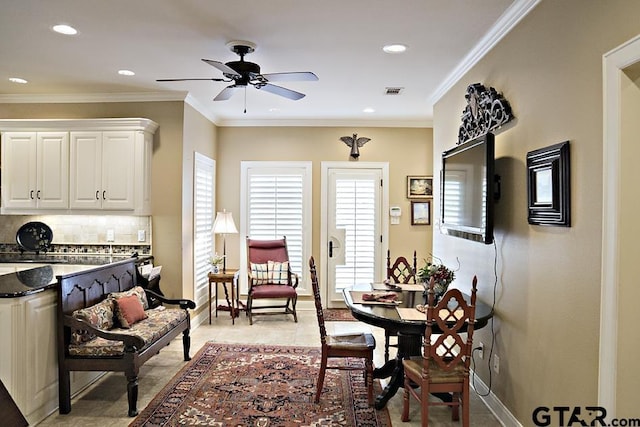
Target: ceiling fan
[{"x": 243, "y": 73}]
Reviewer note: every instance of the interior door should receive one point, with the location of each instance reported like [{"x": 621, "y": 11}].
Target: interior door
[{"x": 355, "y": 200}]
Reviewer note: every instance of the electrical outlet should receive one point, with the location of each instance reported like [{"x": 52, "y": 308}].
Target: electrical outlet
[
  {"x": 141, "y": 236},
  {"x": 496, "y": 364},
  {"x": 111, "y": 235},
  {"x": 481, "y": 351}
]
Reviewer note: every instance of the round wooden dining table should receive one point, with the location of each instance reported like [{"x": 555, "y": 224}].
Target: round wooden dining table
[{"x": 409, "y": 332}]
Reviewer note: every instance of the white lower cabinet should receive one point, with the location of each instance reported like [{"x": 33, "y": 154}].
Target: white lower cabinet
[{"x": 28, "y": 355}]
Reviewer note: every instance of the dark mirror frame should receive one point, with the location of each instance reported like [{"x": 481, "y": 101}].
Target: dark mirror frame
[{"x": 548, "y": 186}]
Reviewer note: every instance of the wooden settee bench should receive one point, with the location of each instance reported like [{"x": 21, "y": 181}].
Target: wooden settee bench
[{"x": 101, "y": 326}]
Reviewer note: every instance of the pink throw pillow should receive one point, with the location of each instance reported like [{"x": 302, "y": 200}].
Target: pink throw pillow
[{"x": 130, "y": 310}]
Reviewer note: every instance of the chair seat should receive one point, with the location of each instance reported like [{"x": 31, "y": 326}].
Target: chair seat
[
  {"x": 352, "y": 342},
  {"x": 273, "y": 291},
  {"x": 414, "y": 369}
]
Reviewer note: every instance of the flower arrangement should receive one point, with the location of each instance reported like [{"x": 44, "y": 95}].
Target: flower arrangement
[
  {"x": 442, "y": 275},
  {"x": 216, "y": 260}
]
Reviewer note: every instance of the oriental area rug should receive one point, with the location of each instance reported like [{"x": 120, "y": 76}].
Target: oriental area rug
[
  {"x": 261, "y": 386},
  {"x": 338, "y": 315}
]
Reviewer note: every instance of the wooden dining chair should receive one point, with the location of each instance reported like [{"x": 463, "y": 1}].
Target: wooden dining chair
[
  {"x": 341, "y": 346},
  {"x": 444, "y": 365},
  {"x": 401, "y": 271}
]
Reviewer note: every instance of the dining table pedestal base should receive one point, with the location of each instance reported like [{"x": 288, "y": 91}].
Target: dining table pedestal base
[{"x": 408, "y": 346}]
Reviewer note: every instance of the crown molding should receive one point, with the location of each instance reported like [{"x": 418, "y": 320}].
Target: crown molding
[
  {"x": 93, "y": 97},
  {"x": 507, "y": 21},
  {"x": 387, "y": 123}
]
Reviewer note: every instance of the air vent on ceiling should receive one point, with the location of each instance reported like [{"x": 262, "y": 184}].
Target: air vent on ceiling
[{"x": 393, "y": 90}]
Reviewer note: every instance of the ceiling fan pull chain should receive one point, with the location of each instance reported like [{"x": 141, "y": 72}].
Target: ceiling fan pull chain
[{"x": 245, "y": 100}]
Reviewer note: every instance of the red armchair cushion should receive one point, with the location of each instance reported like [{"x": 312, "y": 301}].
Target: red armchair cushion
[{"x": 273, "y": 291}]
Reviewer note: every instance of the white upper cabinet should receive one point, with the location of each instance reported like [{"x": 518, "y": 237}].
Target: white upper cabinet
[
  {"x": 35, "y": 173},
  {"x": 76, "y": 166},
  {"x": 103, "y": 170}
]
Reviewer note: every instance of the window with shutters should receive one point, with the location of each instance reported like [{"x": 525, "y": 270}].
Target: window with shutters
[
  {"x": 203, "y": 217},
  {"x": 277, "y": 198}
]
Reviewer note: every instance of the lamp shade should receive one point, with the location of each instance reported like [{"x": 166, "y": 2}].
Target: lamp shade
[{"x": 224, "y": 224}]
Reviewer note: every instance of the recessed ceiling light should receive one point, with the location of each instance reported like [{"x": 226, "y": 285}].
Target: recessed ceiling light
[
  {"x": 368, "y": 110},
  {"x": 65, "y": 29},
  {"x": 394, "y": 48},
  {"x": 17, "y": 80},
  {"x": 126, "y": 73}
]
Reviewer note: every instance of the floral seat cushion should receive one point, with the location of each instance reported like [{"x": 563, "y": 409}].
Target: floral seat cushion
[{"x": 159, "y": 321}]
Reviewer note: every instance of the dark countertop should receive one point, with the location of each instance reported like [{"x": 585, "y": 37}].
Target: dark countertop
[{"x": 39, "y": 278}]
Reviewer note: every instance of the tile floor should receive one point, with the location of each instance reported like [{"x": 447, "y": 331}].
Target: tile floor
[{"x": 104, "y": 404}]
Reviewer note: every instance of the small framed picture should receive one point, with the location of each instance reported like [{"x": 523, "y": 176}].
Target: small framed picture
[
  {"x": 548, "y": 186},
  {"x": 419, "y": 187},
  {"x": 421, "y": 213}
]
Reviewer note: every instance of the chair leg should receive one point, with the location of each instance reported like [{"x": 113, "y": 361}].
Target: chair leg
[
  {"x": 323, "y": 368},
  {"x": 368, "y": 377},
  {"x": 424, "y": 405},
  {"x": 455, "y": 407},
  {"x": 465, "y": 407},
  {"x": 249, "y": 305},
  {"x": 405, "y": 400}
]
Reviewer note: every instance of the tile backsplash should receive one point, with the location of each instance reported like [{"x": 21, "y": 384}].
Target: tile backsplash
[{"x": 83, "y": 233}]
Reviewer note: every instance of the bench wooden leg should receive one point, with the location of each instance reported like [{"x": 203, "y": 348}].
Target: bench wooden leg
[
  {"x": 132, "y": 394},
  {"x": 64, "y": 391},
  {"x": 186, "y": 344}
]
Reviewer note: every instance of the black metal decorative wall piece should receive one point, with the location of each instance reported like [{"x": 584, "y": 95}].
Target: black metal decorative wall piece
[
  {"x": 355, "y": 143},
  {"x": 486, "y": 111}
]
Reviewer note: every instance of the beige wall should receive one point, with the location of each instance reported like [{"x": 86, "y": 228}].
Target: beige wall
[
  {"x": 548, "y": 278},
  {"x": 408, "y": 151},
  {"x": 199, "y": 136}
]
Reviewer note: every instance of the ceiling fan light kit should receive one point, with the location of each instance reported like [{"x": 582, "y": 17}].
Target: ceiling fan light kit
[{"x": 242, "y": 73}]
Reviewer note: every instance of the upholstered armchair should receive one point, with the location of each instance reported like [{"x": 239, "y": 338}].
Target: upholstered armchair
[{"x": 270, "y": 278}]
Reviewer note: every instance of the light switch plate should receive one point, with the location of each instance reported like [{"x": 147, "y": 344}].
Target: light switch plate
[
  {"x": 141, "y": 236},
  {"x": 111, "y": 236}
]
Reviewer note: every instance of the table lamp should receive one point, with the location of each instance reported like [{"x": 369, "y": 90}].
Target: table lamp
[{"x": 224, "y": 225}]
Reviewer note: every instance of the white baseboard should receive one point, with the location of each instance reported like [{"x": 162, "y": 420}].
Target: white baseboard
[{"x": 497, "y": 408}]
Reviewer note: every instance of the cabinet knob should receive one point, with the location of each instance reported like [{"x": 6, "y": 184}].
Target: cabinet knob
[
  {"x": 104, "y": 195},
  {"x": 97, "y": 193},
  {"x": 31, "y": 194},
  {"x": 38, "y": 194}
]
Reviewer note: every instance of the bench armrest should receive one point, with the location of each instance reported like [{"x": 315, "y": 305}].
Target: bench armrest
[
  {"x": 183, "y": 303},
  {"x": 130, "y": 342}
]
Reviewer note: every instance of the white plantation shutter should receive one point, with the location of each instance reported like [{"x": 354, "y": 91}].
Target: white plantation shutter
[
  {"x": 203, "y": 217},
  {"x": 356, "y": 213},
  {"x": 278, "y": 204}
]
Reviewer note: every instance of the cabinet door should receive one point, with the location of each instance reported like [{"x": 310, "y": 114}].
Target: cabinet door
[
  {"x": 118, "y": 155},
  {"x": 85, "y": 176},
  {"x": 19, "y": 170},
  {"x": 53, "y": 170},
  {"x": 40, "y": 361}
]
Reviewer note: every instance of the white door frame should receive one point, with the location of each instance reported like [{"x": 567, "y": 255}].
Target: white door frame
[
  {"x": 384, "y": 223},
  {"x": 613, "y": 63}
]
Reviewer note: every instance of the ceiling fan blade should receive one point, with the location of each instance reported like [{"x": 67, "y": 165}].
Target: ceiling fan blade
[
  {"x": 223, "y": 67},
  {"x": 182, "y": 80},
  {"x": 278, "y": 90},
  {"x": 302, "y": 76},
  {"x": 227, "y": 93}
]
